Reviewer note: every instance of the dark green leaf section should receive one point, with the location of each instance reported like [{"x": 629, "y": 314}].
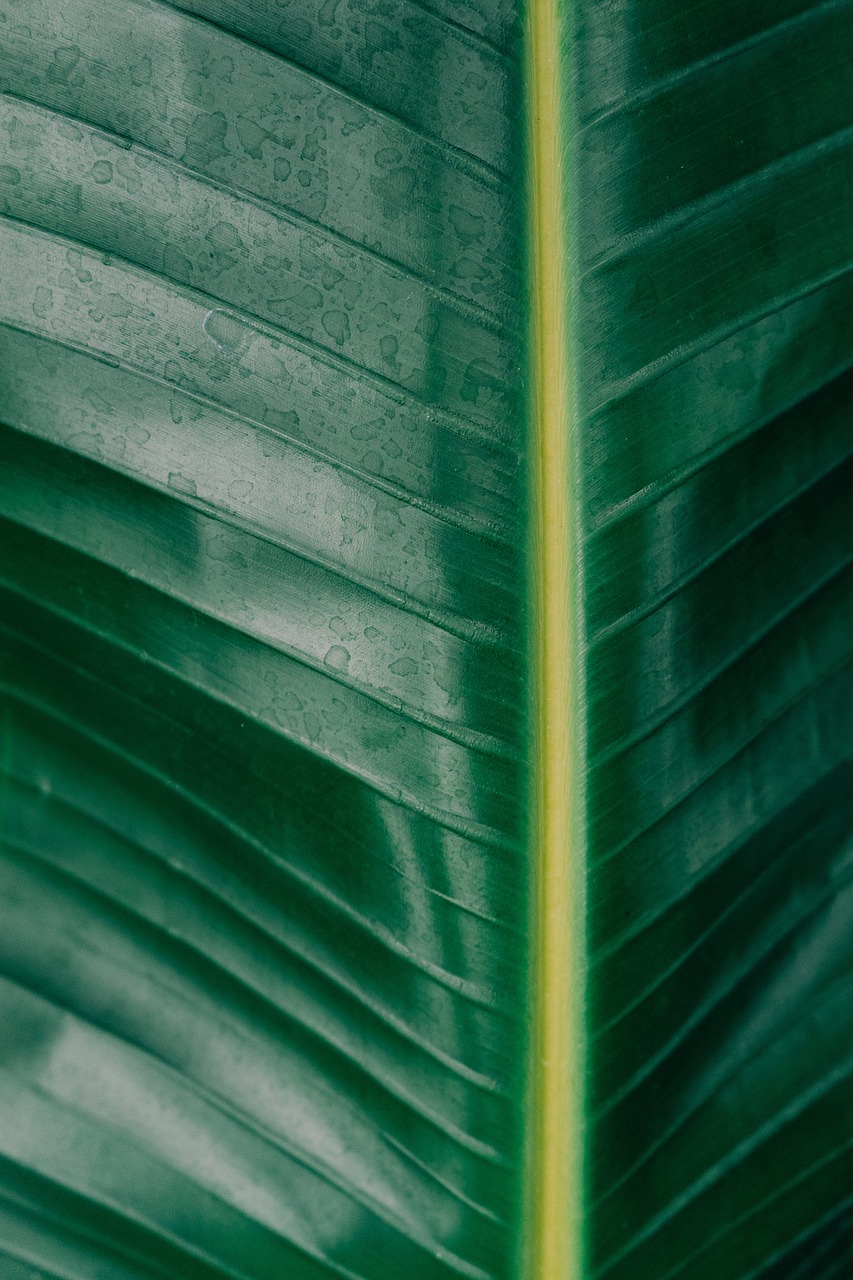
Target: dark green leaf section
[
  {"x": 261, "y": 526},
  {"x": 263, "y": 567},
  {"x": 715, "y": 250}
]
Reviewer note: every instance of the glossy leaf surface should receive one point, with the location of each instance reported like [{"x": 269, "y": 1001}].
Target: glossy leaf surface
[{"x": 266, "y": 389}]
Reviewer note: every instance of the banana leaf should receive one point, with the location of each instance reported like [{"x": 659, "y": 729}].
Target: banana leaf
[{"x": 426, "y": 639}]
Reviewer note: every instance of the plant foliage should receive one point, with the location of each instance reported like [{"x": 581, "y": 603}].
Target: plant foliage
[{"x": 266, "y": 966}]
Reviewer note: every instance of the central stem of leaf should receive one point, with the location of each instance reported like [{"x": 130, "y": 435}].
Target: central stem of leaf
[{"x": 554, "y": 1205}]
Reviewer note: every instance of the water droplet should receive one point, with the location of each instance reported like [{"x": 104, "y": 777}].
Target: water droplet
[
  {"x": 404, "y": 667},
  {"x": 231, "y": 335},
  {"x": 337, "y": 658},
  {"x": 182, "y": 484}
]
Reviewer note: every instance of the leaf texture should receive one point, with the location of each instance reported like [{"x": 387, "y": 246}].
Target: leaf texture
[{"x": 267, "y": 956}]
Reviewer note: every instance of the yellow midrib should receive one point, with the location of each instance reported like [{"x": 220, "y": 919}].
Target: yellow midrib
[{"x": 553, "y": 1227}]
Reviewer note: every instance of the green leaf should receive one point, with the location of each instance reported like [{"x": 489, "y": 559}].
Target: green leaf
[{"x": 426, "y": 640}]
